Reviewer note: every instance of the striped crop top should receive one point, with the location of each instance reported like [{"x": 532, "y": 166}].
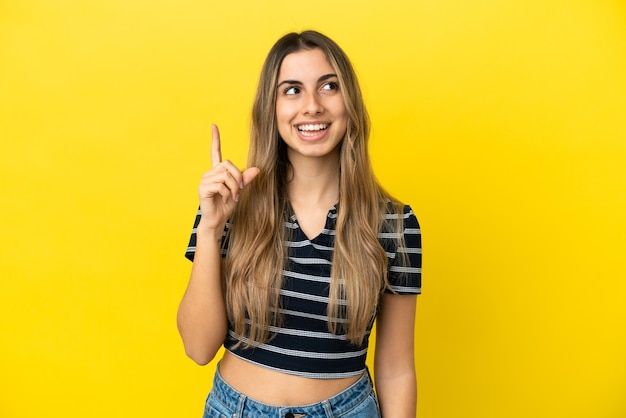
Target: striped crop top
[{"x": 303, "y": 345}]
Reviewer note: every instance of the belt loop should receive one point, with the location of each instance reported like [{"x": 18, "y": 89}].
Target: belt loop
[
  {"x": 328, "y": 409},
  {"x": 240, "y": 405},
  {"x": 369, "y": 377}
]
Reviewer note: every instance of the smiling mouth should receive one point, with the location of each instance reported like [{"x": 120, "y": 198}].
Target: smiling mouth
[{"x": 311, "y": 129}]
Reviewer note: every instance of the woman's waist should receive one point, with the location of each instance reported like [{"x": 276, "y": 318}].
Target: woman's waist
[{"x": 277, "y": 388}]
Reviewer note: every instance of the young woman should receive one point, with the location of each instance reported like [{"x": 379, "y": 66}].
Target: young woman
[{"x": 295, "y": 257}]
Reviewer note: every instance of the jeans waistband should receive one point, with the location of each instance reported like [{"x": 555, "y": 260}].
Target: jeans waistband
[{"x": 336, "y": 405}]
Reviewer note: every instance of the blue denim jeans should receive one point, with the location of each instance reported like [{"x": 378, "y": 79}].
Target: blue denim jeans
[{"x": 358, "y": 400}]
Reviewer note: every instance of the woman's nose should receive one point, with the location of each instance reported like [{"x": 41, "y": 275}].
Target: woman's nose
[{"x": 313, "y": 105}]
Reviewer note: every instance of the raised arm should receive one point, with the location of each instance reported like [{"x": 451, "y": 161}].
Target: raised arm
[{"x": 202, "y": 320}]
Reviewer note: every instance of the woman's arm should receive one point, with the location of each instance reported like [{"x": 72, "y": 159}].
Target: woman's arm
[
  {"x": 202, "y": 319},
  {"x": 394, "y": 365}
]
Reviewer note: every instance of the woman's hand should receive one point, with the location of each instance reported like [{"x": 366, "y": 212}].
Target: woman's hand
[{"x": 220, "y": 187}]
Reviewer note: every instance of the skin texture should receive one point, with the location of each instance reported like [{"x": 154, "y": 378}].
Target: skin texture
[{"x": 308, "y": 94}]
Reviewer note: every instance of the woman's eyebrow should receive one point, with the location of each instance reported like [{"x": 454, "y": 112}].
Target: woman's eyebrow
[
  {"x": 299, "y": 83},
  {"x": 326, "y": 77},
  {"x": 291, "y": 82}
]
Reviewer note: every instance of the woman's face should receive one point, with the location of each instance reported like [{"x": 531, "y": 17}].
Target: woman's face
[{"x": 310, "y": 111}]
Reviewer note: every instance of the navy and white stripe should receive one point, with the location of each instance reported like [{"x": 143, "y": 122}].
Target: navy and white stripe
[{"x": 303, "y": 345}]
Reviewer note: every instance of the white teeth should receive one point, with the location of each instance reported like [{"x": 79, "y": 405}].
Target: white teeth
[{"x": 313, "y": 127}]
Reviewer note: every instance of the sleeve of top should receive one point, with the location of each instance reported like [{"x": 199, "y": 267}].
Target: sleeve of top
[
  {"x": 406, "y": 278},
  {"x": 191, "y": 247}
]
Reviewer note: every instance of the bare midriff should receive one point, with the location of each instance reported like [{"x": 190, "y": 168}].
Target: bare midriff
[{"x": 276, "y": 388}]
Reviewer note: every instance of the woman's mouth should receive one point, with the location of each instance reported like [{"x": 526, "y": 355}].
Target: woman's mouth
[{"x": 312, "y": 129}]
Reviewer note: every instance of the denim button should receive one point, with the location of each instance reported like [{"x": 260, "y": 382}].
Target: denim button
[{"x": 289, "y": 415}]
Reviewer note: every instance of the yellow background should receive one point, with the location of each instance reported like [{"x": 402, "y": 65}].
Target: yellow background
[{"x": 501, "y": 122}]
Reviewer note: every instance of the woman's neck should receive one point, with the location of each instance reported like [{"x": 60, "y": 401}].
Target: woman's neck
[{"x": 314, "y": 182}]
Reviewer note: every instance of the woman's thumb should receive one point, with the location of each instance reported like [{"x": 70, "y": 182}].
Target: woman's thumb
[{"x": 249, "y": 175}]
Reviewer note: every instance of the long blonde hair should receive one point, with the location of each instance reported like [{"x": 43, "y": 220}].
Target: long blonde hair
[{"x": 257, "y": 253}]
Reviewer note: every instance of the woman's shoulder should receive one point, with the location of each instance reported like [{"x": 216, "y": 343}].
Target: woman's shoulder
[{"x": 395, "y": 208}]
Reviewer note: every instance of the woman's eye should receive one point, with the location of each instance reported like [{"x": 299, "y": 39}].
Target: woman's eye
[
  {"x": 330, "y": 86},
  {"x": 291, "y": 90}
]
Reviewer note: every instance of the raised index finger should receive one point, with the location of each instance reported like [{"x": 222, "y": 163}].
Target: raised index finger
[{"x": 216, "y": 151}]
